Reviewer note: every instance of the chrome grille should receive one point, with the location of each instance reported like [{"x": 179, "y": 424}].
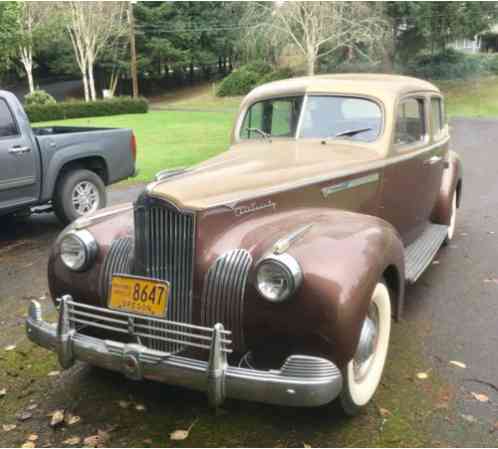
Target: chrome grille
[
  {"x": 223, "y": 293},
  {"x": 117, "y": 261},
  {"x": 164, "y": 249}
]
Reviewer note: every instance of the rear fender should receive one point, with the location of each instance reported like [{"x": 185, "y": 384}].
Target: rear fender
[{"x": 451, "y": 182}]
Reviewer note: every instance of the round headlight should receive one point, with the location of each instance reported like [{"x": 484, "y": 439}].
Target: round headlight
[
  {"x": 78, "y": 250},
  {"x": 278, "y": 277}
]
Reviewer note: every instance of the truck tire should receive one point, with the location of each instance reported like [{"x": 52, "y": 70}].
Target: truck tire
[{"x": 78, "y": 193}]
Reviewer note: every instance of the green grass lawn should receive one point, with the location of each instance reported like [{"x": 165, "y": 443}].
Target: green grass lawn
[
  {"x": 471, "y": 98},
  {"x": 168, "y": 139}
]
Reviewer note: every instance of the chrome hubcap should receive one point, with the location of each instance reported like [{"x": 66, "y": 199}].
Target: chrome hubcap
[
  {"x": 367, "y": 346},
  {"x": 85, "y": 197}
]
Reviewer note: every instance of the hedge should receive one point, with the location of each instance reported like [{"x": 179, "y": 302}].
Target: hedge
[
  {"x": 78, "y": 109},
  {"x": 239, "y": 82}
]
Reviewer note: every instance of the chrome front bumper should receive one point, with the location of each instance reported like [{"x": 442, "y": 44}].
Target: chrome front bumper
[{"x": 301, "y": 381}]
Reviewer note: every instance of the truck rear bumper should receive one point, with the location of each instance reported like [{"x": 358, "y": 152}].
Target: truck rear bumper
[{"x": 301, "y": 381}]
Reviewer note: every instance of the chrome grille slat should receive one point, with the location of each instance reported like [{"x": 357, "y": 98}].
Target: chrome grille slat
[
  {"x": 113, "y": 320},
  {"x": 223, "y": 293},
  {"x": 165, "y": 250}
]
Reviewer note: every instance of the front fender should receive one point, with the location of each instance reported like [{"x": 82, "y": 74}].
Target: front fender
[
  {"x": 342, "y": 255},
  {"x": 451, "y": 182}
]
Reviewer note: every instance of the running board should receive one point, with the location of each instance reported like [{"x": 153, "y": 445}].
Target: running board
[{"x": 419, "y": 254}]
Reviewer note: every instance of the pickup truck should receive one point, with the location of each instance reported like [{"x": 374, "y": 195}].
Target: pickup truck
[{"x": 59, "y": 168}]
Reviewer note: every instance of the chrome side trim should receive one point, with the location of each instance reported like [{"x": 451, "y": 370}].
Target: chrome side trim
[
  {"x": 350, "y": 184},
  {"x": 302, "y": 381},
  {"x": 223, "y": 293},
  {"x": 84, "y": 222}
]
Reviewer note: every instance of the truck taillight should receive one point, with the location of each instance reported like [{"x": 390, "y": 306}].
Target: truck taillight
[{"x": 133, "y": 143}]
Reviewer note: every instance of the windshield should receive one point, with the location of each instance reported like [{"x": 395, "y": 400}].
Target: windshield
[
  {"x": 277, "y": 117},
  {"x": 345, "y": 117}
]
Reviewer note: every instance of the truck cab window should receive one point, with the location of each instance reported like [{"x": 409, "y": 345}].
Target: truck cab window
[{"x": 8, "y": 126}]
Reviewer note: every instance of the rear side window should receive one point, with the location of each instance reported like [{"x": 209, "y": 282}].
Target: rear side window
[
  {"x": 7, "y": 124},
  {"x": 410, "y": 123},
  {"x": 437, "y": 117}
]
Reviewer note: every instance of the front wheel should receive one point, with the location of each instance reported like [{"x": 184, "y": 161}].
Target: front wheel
[
  {"x": 79, "y": 192},
  {"x": 452, "y": 225},
  {"x": 362, "y": 374}
]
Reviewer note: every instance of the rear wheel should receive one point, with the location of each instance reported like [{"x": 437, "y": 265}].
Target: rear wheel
[
  {"x": 79, "y": 192},
  {"x": 362, "y": 374}
]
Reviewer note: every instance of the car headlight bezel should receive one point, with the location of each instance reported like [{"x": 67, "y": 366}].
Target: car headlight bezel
[
  {"x": 289, "y": 268},
  {"x": 87, "y": 245}
]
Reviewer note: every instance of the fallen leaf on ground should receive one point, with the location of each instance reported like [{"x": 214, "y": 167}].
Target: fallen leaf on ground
[
  {"x": 123, "y": 404},
  {"x": 8, "y": 427},
  {"x": 71, "y": 419},
  {"x": 435, "y": 262},
  {"x": 480, "y": 397},
  {"x": 147, "y": 441},
  {"x": 469, "y": 418},
  {"x": 98, "y": 440},
  {"x": 422, "y": 375},
  {"x": 72, "y": 441},
  {"x": 32, "y": 437},
  {"x": 57, "y": 418},
  {"x": 384, "y": 412},
  {"x": 491, "y": 280},
  {"x": 29, "y": 444},
  {"x": 180, "y": 435},
  {"x": 24, "y": 416},
  {"x": 306, "y": 445},
  {"x": 32, "y": 406},
  {"x": 53, "y": 373},
  {"x": 3, "y": 392},
  {"x": 140, "y": 407},
  {"x": 10, "y": 347},
  {"x": 457, "y": 363}
]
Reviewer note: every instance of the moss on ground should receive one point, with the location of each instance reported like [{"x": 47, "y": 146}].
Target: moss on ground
[{"x": 400, "y": 415}]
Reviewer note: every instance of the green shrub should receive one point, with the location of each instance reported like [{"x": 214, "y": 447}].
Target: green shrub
[
  {"x": 446, "y": 65},
  {"x": 276, "y": 75},
  {"x": 239, "y": 82},
  {"x": 78, "y": 109},
  {"x": 38, "y": 97},
  {"x": 259, "y": 67}
]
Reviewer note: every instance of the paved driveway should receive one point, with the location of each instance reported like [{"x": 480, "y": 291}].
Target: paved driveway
[{"x": 452, "y": 314}]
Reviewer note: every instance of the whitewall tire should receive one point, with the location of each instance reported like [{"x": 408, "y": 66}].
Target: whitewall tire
[
  {"x": 452, "y": 225},
  {"x": 362, "y": 375}
]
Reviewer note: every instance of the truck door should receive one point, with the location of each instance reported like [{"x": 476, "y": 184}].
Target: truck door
[{"x": 19, "y": 163}]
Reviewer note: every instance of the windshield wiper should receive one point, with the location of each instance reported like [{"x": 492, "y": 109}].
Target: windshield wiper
[
  {"x": 352, "y": 132},
  {"x": 260, "y": 132}
]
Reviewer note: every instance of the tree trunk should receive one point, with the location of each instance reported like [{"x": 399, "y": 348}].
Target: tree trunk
[
  {"x": 30, "y": 80},
  {"x": 85, "y": 85},
  {"x": 310, "y": 65},
  {"x": 91, "y": 80},
  {"x": 27, "y": 62}
]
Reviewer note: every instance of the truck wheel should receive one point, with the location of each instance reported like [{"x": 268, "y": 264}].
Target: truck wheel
[
  {"x": 362, "y": 374},
  {"x": 78, "y": 193}
]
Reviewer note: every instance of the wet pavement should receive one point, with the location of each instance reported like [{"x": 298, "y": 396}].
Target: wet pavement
[{"x": 451, "y": 315}]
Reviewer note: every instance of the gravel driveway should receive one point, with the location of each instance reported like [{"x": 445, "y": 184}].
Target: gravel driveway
[{"x": 451, "y": 315}]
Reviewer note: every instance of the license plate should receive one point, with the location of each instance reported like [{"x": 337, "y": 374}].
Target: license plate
[{"x": 139, "y": 295}]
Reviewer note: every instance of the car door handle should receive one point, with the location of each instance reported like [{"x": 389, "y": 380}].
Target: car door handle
[
  {"x": 433, "y": 160},
  {"x": 19, "y": 150}
]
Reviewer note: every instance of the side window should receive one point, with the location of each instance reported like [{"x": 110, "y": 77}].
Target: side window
[
  {"x": 7, "y": 125},
  {"x": 437, "y": 117},
  {"x": 410, "y": 123}
]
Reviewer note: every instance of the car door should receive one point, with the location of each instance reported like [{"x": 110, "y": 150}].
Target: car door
[
  {"x": 19, "y": 163},
  {"x": 405, "y": 177}
]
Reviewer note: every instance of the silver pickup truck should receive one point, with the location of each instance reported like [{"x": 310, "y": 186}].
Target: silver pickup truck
[{"x": 58, "y": 168}]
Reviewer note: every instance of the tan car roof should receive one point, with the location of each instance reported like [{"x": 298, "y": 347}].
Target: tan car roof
[{"x": 383, "y": 87}]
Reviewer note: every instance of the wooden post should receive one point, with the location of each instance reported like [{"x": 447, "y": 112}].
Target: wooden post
[{"x": 133, "y": 51}]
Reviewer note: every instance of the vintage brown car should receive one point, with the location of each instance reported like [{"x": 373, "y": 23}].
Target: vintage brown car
[{"x": 271, "y": 272}]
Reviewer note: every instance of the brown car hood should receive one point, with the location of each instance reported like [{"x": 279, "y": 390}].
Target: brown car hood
[{"x": 253, "y": 169}]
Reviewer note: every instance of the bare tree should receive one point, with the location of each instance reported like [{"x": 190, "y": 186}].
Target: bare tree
[
  {"x": 92, "y": 26},
  {"x": 318, "y": 29},
  {"x": 33, "y": 18}
]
